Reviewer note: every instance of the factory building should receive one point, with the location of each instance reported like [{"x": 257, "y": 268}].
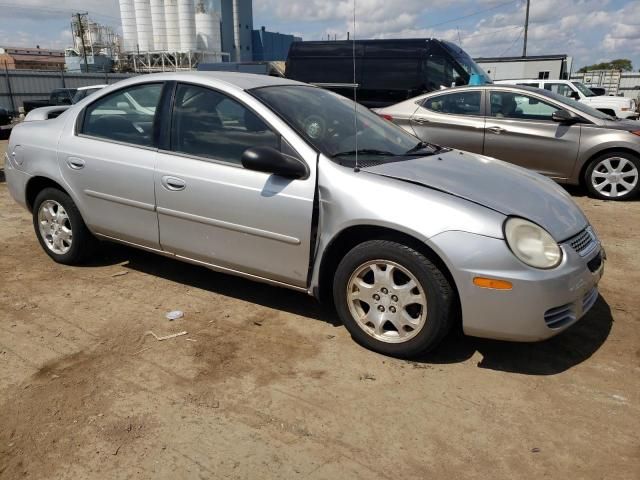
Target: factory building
[
  {"x": 271, "y": 46},
  {"x": 160, "y": 35},
  {"x": 237, "y": 25},
  {"x": 542, "y": 67}
]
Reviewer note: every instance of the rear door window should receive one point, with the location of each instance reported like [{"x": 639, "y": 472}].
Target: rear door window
[
  {"x": 125, "y": 116},
  {"x": 459, "y": 103}
]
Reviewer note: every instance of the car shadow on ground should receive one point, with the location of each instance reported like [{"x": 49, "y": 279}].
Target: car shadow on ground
[
  {"x": 550, "y": 357},
  {"x": 220, "y": 283}
]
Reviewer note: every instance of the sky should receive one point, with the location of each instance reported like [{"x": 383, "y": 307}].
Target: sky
[{"x": 590, "y": 31}]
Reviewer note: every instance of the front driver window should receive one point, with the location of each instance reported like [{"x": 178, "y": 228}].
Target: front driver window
[
  {"x": 209, "y": 124},
  {"x": 559, "y": 88},
  {"x": 124, "y": 116},
  {"x": 519, "y": 106},
  {"x": 460, "y": 103}
]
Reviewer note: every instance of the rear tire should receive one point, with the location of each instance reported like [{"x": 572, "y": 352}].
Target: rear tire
[
  {"x": 392, "y": 299},
  {"x": 60, "y": 229},
  {"x": 613, "y": 176}
]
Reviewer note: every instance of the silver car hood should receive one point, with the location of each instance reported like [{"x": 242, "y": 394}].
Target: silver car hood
[{"x": 498, "y": 185}]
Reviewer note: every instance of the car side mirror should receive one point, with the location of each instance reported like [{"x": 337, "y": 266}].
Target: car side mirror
[
  {"x": 575, "y": 95},
  {"x": 562, "y": 116},
  {"x": 270, "y": 160}
]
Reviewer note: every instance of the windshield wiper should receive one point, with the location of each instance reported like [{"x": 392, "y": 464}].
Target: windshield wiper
[
  {"x": 420, "y": 146},
  {"x": 364, "y": 151}
]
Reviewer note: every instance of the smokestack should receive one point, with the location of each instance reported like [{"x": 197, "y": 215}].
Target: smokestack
[
  {"x": 236, "y": 31},
  {"x": 172, "y": 25},
  {"x": 187, "y": 21},
  {"x": 143, "y": 22},
  {"x": 159, "y": 25},
  {"x": 129, "y": 28}
]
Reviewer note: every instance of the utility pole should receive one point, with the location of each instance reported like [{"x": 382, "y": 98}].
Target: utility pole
[
  {"x": 79, "y": 17},
  {"x": 526, "y": 29}
]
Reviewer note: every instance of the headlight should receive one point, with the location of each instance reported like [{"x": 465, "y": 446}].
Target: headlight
[{"x": 531, "y": 243}]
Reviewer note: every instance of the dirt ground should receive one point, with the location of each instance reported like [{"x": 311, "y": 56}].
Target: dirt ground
[{"x": 266, "y": 385}]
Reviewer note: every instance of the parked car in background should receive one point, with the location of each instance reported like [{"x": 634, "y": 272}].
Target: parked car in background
[
  {"x": 620, "y": 107},
  {"x": 261, "y": 177},
  {"x": 5, "y": 118},
  {"x": 386, "y": 71},
  {"x": 537, "y": 129},
  {"x": 83, "y": 92},
  {"x": 598, "y": 91},
  {"x": 59, "y": 96}
]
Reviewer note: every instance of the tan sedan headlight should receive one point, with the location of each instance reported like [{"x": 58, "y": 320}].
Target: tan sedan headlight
[{"x": 531, "y": 243}]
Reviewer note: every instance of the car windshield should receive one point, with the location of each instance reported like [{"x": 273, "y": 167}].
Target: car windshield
[
  {"x": 584, "y": 89},
  {"x": 81, "y": 94},
  {"x": 575, "y": 104},
  {"x": 463, "y": 58},
  {"x": 332, "y": 125}
]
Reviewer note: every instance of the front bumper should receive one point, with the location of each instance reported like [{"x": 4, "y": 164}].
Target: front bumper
[{"x": 541, "y": 304}]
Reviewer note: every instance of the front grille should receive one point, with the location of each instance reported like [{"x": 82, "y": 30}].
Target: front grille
[
  {"x": 559, "y": 316},
  {"x": 589, "y": 299},
  {"x": 584, "y": 242}
]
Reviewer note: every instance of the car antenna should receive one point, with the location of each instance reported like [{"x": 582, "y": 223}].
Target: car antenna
[{"x": 355, "y": 88}]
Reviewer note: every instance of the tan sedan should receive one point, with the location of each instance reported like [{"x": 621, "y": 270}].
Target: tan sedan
[{"x": 537, "y": 129}]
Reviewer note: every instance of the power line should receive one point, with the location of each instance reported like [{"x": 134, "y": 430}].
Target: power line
[
  {"x": 491, "y": 32},
  {"x": 495, "y": 7},
  {"x": 513, "y": 43}
]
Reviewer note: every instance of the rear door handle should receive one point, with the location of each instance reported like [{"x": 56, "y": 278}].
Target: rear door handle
[
  {"x": 172, "y": 183},
  {"x": 496, "y": 130},
  {"x": 421, "y": 121},
  {"x": 75, "y": 163}
]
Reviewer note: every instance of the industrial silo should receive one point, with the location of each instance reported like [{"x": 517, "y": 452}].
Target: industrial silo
[
  {"x": 129, "y": 29},
  {"x": 159, "y": 25},
  {"x": 187, "y": 21},
  {"x": 207, "y": 29},
  {"x": 172, "y": 25},
  {"x": 143, "y": 23}
]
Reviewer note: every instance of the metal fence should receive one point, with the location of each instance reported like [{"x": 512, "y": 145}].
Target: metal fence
[{"x": 16, "y": 86}]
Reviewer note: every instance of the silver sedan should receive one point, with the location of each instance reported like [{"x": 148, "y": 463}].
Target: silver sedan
[
  {"x": 534, "y": 128},
  {"x": 289, "y": 184}
]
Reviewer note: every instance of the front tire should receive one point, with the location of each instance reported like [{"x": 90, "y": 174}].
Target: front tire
[
  {"x": 613, "y": 176},
  {"x": 392, "y": 299},
  {"x": 60, "y": 229}
]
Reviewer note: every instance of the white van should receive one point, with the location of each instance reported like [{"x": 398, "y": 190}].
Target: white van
[{"x": 620, "y": 107}]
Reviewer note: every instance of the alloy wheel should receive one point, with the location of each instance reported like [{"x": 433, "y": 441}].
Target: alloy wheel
[
  {"x": 614, "y": 177},
  {"x": 387, "y": 301},
  {"x": 55, "y": 227}
]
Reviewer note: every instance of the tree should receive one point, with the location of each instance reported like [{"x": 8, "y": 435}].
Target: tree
[{"x": 623, "y": 64}]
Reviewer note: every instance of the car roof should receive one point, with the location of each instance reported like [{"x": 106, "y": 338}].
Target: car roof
[
  {"x": 88, "y": 87},
  {"x": 534, "y": 80},
  {"x": 242, "y": 81},
  {"x": 484, "y": 87}
]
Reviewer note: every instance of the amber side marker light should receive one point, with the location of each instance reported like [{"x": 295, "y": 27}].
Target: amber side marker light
[
  {"x": 637, "y": 132},
  {"x": 483, "y": 282}
]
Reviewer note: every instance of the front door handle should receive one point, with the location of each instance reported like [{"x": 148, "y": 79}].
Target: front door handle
[
  {"x": 172, "y": 183},
  {"x": 496, "y": 130},
  {"x": 75, "y": 163}
]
